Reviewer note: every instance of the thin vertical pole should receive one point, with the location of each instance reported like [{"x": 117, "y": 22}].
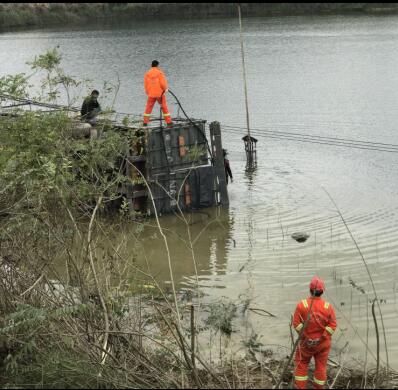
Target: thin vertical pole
[
  {"x": 193, "y": 335},
  {"x": 244, "y": 71}
]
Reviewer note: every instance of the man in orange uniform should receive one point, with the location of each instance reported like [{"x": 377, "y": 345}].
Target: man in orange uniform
[
  {"x": 155, "y": 84},
  {"x": 315, "y": 321}
]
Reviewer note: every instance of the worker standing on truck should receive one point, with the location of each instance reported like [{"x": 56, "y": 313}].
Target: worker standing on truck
[
  {"x": 155, "y": 84},
  {"x": 315, "y": 321}
]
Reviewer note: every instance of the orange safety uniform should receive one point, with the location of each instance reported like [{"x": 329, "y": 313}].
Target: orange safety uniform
[
  {"x": 155, "y": 84},
  {"x": 316, "y": 320}
]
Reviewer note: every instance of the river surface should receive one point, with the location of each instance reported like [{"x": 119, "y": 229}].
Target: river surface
[{"x": 328, "y": 76}]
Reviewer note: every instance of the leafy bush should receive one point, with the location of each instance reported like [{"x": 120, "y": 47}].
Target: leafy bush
[{"x": 221, "y": 316}]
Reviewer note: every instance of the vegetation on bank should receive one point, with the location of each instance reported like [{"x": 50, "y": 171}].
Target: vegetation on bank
[
  {"x": 61, "y": 14},
  {"x": 76, "y": 311}
]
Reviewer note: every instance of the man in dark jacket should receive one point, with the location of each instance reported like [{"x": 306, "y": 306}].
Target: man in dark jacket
[
  {"x": 227, "y": 167},
  {"x": 91, "y": 108}
]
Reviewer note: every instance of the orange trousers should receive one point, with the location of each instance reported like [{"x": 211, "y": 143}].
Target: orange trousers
[
  {"x": 163, "y": 104},
  {"x": 304, "y": 353}
]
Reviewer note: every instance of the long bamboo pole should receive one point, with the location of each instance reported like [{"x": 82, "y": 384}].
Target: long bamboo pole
[{"x": 244, "y": 71}]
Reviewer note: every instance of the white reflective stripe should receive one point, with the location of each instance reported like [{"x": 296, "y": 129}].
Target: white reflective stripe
[
  {"x": 299, "y": 327},
  {"x": 326, "y": 306},
  {"x": 147, "y": 114},
  {"x": 166, "y": 114},
  {"x": 329, "y": 329},
  {"x": 301, "y": 378},
  {"x": 305, "y": 303},
  {"x": 318, "y": 382}
]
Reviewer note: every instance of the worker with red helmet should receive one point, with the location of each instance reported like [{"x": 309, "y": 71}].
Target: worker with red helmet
[
  {"x": 155, "y": 84},
  {"x": 315, "y": 321}
]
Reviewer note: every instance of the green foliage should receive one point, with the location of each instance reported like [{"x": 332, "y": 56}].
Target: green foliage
[
  {"x": 126, "y": 121},
  {"x": 195, "y": 153},
  {"x": 27, "y": 317},
  {"x": 24, "y": 327},
  {"x": 42, "y": 162},
  {"x": 138, "y": 181},
  {"x": 14, "y": 85},
  {"x": 53, "y": 369},
  {"x": 221, "y": 316},
  {"x": 54, "y": 75},
  {"x": 48, "y": 61},
  {"x": 254, "y": 343},
  {"x": 124, "y": 207}
]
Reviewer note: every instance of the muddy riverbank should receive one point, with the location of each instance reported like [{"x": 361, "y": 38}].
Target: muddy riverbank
[{"x": 50, "y": 338}]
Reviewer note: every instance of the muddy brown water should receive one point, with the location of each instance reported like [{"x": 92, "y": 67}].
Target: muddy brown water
[{"x": 330, "y": 76}]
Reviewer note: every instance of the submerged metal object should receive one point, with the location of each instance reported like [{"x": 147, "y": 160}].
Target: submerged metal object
[
  {"x": 170, "y": 169},
  {"x": 300, "y": 237}
]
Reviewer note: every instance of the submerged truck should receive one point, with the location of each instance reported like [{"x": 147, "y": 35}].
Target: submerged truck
[{"x": 175, "y": 168}]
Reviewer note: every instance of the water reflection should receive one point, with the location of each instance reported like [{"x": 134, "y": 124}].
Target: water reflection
[
  {"x": 210, "y": 232},
  {"x": 250, "y": 173}
]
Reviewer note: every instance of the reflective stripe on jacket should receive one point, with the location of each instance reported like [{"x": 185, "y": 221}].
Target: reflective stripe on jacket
[
  {"x": 155, "y": 82},
  {"x": 322, "y": 319}
]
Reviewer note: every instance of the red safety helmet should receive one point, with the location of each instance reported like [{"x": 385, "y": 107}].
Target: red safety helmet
[{"x": 317, "y": 284}]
